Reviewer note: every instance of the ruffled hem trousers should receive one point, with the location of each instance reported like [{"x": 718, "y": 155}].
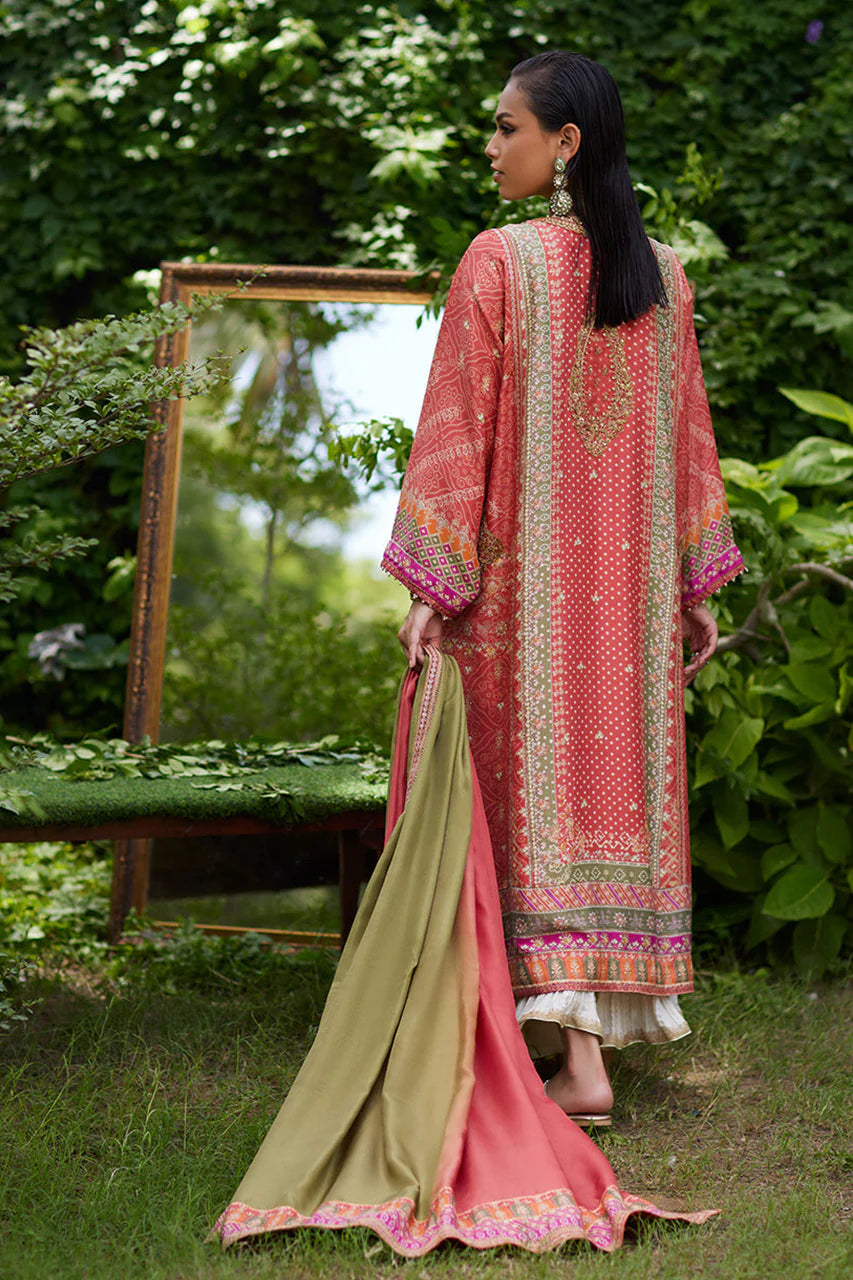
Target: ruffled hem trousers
[{"x": 618, "y": 1018}]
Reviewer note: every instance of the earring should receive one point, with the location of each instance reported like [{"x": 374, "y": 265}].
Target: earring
[{"x": 560, "y": 204}]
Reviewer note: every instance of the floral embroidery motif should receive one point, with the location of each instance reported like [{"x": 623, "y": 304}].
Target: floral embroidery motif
[
  {"x": 601, "y": 397},
  {"x": 489, "y": 548}
]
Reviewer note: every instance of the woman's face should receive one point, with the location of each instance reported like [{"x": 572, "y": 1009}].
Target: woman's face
[{"x": 521, "y": 152}]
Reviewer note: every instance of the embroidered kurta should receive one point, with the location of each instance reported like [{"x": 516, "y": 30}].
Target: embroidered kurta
[{"x": 562, "y": 504}]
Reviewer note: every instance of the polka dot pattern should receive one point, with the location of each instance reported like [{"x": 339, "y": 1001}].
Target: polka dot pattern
[{"x": 597, "y": 506}]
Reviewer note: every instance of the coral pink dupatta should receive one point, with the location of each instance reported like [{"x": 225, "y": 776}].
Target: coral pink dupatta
[{"x": 418, "y": 1112}]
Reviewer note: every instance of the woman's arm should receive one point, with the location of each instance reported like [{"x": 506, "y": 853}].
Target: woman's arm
[
  {"x": 699, "y": 631},
  {"x": 709, "y": 556},
  {"x": 422, "y": 626},
  {"x": 433, "y": 546}
]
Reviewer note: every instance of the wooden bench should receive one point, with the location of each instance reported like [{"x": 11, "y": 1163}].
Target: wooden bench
[{"x": 333, "y": 797}]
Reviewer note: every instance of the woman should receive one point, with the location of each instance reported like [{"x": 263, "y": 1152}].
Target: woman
[
  {"x": 561, "y": 522},
  {"x": 563, "y": 489}
]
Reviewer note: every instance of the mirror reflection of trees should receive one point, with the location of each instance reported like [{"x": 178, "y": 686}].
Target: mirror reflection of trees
[{"x": 272, "y": 631}]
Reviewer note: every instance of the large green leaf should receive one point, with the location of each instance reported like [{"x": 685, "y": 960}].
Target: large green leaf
[
  {"x": 802, "y": 893},
  {"x": 812, "y": 680},
  {"x": 707, "y": 852},
  {"x": 806, "y": 647},
  {"x": 770, "y": 784},
  {"x": 761, "y": 926},
  {"x": 821, "y": 532},
  {"x": 833, "y": 833},
  {"x": 744, "y": 873},
  {"x": 817, "y": 944},
  {"x": 734, "y": 736},
  {"x": 802, "y": 833},
  {"x": 821, "y": 403},
  {"x": 775, "y": 859},
  {"x": 816, "y": 715},
  {"x": 825, "y": 618},
  {"x": 782, "y": 507},
  {"x": 817, "y": 460},
  {"x": 829, "y": 756},
  {"x": 731, "y": 814},
  {"x": 745, "y": 474}
]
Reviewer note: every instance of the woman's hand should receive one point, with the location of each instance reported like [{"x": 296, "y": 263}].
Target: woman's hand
[
  {"x": 422, "y": 625},
  {"x": 699, "y": 630}
]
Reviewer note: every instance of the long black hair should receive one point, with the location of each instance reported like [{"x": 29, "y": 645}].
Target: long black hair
[{"x": 568, "y": 88}]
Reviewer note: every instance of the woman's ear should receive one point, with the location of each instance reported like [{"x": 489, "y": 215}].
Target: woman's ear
[{"x": 570, "y": 140}]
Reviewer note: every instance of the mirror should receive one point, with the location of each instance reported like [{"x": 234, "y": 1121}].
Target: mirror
[
  {"x": 361, "y": 305},
  {"x": 241, "y": 506}
]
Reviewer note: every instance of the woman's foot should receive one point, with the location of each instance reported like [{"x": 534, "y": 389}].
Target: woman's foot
[{"x": 582, "y": 1085}]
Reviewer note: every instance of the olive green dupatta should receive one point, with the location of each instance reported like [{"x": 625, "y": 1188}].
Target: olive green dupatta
[{"x": 417, "y": 1112}]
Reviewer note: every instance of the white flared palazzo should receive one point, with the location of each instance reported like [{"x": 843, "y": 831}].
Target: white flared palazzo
[{"x": 618, "y": 1018}]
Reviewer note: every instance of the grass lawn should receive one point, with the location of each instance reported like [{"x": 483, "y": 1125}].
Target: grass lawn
[{"x": 130, "y": 1112}]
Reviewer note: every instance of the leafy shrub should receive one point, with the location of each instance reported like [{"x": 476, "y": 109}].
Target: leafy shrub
[
  {"x": 52, "y": 895},
  {"x": 275, "y": 670},
  {"x": 54, "y": 903},
  {"x": 187, "y": 959},
  {"x": 13, "y": 976},
  {"x": 769, "y": 722}
]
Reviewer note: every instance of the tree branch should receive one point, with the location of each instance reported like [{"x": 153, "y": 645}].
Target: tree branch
[{"x": 765, "y": 610}]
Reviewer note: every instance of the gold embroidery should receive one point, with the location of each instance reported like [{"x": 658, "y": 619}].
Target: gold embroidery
[
  {"x": 490, "y": 549},
  {"x": 570, "y": 221},
  {"x": 601, "y": 396}
]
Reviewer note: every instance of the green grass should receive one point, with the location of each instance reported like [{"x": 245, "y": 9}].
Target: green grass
[{"x": 130, "y": 1113}]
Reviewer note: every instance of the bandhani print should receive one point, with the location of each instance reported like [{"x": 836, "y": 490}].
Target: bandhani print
[{"x": 588, "y": 458}]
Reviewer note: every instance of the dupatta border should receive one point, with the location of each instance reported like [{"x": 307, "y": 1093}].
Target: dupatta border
[{"x": 538, "y": 1223}]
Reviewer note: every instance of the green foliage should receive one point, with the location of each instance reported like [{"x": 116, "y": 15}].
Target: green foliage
[
  {"x": 223, "y": 112},
  {"x": 380, "y": 449},
  {"x": 189, "y": 960},
  {"x": 770, "y": 723},
  {"x": 53, "y": 896},
  {"x": 89, "y": 388},
  {"x": 98, "y": 500},
  {"x": 54, "y": 902},
  {"x": 216, "y": 765},
  {"x": 278, "y": 668},
  {"x": 14, "y": 1007}
]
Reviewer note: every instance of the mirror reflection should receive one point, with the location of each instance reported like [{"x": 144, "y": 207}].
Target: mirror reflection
[{"x": 280, "y": 623}]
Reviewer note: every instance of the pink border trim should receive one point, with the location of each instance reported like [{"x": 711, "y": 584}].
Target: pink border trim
[
  {"x": 714, "y": 576},
  {"x": 432, "y": 678},
  {"x": 536, "y": 1223},
  {"x": 619, "y": 940},
  {"x": 439, "y": 595}
]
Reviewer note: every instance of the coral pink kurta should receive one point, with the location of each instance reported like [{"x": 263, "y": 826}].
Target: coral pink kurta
[{"x": 562, "y": 504}]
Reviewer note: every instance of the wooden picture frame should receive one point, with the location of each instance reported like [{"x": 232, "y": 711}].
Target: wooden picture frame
[{"x": 179, "y": 282}]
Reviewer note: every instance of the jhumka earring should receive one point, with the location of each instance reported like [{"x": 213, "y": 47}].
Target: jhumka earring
[{"x": 560, "y": 203}]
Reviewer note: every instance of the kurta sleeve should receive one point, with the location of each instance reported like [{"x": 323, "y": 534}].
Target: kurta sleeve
[
  {"x": 709, "y": 556},
  {"x": 433, "y": 546}
]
